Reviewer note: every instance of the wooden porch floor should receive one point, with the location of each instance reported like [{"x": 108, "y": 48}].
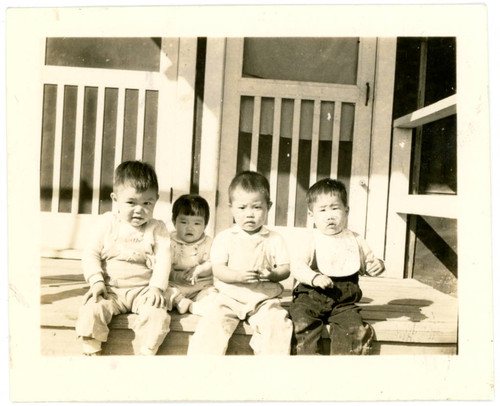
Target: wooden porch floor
[{"x": 408, "y": 317}]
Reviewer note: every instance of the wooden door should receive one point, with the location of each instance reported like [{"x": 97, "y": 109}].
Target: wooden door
[
  {"x": 93, "y": 119},
  {"x": 298, "y": 131}
]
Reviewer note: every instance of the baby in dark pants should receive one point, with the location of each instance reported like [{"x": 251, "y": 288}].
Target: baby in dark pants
[{"x": 327, "y": 272}]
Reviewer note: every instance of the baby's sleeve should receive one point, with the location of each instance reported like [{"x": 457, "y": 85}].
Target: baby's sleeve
[
  {"x": 219, "y": 253},
  {"x": 301, "y": 261},
  {"x": 366, "y": 253},
  {"x": 92, "y": 253},
  {"x": 281, "y": 252}
]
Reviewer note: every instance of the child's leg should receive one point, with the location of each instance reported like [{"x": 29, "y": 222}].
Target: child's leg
[
  {"x": 214, "y": 330},
  {"x": 349, "y": 334},
  {"x": 176, "y": 298},
  {"x": 92, "y": 323},
  {"x": 151, "y": 326},
  {"x": 272, "y": 329},
  {"x": 307, "y": 312},
  {"x": 202, "y": 301}
]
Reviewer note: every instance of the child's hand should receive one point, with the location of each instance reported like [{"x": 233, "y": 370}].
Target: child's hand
[
  {"x": 191, "y": 275},
  {"x": 322, "y": 281},
  {"x": 264, "y": 275},
  {"x": 96, "y": 290},
  {"x": 375, "y": 268},
  {"x": 154, "y": 297},
  {"x": 251, "y": 276}
]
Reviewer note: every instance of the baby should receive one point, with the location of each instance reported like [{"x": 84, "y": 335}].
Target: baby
[
  {"x": 249, "y": 261},
  {"x": 127, "y": 264},
  {"x": 191, "y": 280},
  {"x": 327, "y": 272}
]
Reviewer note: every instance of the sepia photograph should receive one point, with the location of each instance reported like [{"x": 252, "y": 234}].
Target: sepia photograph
[{"x": 213, "y": 203}]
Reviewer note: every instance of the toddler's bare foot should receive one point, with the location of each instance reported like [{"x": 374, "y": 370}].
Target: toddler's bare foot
[{"x": 184, "y": 305}]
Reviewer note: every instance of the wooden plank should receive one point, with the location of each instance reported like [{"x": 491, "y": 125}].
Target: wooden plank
[
  {"x": 141, "y": 111},
  {"x": 399, "y": 186},
  {"x": 96, "y": 182},
  {"x": 273, "y": 178},
  {"x": 78, "y": 149},
  {"x": 293, "y": 90},
  {"x": 334, "y": 165},
  {"x": 211, "y": 123},
  {"x": 166, "y": 138},
  {"x": 428, "y": 205},
  {"x": 255, "y": 133},
  {"x": 292, "y": 189},
  {"x": 313, "y": 172},
  {"x": 380, "y": 155},
  {"x": 399, "y": 310},
  {"x": 115, "y": 78},
  {"x": 436, "y": 111},
  {"x": 361, "y": 142},
  {"x": 119, "y": 126},
  {"x": 56, "y": 180},
  {"x": 229, "y": 142}
]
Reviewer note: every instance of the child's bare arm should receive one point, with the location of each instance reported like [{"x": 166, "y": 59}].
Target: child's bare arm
[
  {"x": 279, "y": 273},
  {"x": 223, "y": 273},
  {"x": 162, "y": 259},
  {"x": 373, "y": 265},
  {"x": 199, "y": 271}
]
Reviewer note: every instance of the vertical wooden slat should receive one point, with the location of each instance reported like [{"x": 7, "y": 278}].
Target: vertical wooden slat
[
  {"x": 230, "y": 123},
  {"x": 381, "y": 145},
  {"x": 166, "y": 116},
  {"x": 273, "y": 178},
  {"x": 211, "y": 123},
  {"x": 57, "y": 148},
  {"x": 119, "y": 126},
  {"x": 78, "y": 148},
  {"x": 255, "y": 133},
  {"x": 294, "y": 163},
  {"x": 96, "y": 184},
  {"x": 141, "y": 107},
  {"x": 396, "y": 222},
  {"x": 313, "y": 173},
  {"x": 334, "y": 166}
]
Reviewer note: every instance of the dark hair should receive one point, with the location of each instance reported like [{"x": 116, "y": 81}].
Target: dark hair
[
  {"x": 191, "y": 205},
  {"x": 140, "y": 175},
  {"x": 326, "y": 187},
  {"x": 250, "y": 182}
]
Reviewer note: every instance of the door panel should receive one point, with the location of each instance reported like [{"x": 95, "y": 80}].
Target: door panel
[
  {"x": 93, "y": 119},
  {"x": 296, "y": 133}
]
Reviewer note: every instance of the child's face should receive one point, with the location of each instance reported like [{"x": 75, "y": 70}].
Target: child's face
[
  {"x": 189, "y": 228},
  {"x": 134, "y": 207},
  {"x": 329, "y": 214},
  {"x": 249, "y": 210}
]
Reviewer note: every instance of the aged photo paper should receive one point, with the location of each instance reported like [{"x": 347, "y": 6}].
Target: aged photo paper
[{"x": 34, "y": 377}]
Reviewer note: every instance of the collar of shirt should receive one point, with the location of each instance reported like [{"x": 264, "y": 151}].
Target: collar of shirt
[
  {"x": 235, "y": 229},
  {"x": 345, "y": 233},
  {"x": 174, "y": 237}
]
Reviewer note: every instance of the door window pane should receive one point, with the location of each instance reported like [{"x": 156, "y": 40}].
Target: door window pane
[
  {"x": 142, "y": 54},
  {"x": 322, "y": 60},
  {"x": 435, "y": 159}
]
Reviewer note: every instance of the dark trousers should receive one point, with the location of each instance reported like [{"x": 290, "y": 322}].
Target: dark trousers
[{"x": 314, "y": 307}]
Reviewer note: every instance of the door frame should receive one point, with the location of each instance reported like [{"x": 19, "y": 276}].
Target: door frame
[{"x": 235, "y": 86}]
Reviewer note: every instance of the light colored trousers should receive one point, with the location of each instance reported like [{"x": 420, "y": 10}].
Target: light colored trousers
[
  {"x": 272, "y": 329},
  {"x": 151, "y": 325}
]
